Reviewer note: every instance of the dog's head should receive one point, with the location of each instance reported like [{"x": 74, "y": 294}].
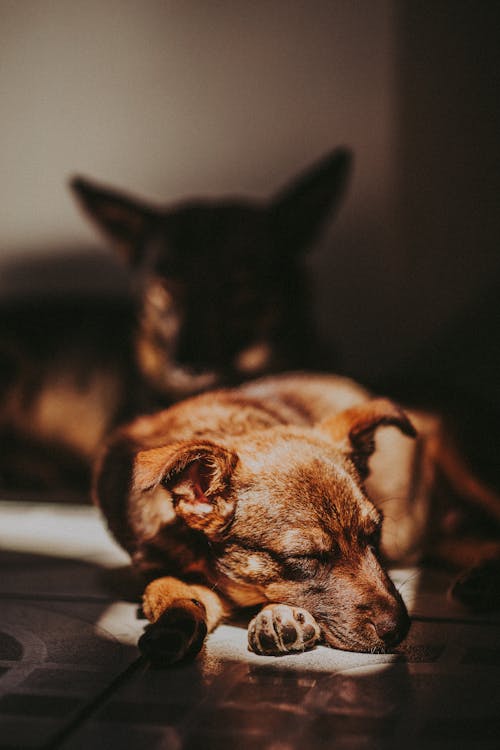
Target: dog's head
[
  {"x": 220, "y": 284},
  {"x": 286, "y": 519}
]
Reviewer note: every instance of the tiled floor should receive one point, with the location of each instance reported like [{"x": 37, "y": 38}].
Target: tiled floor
[{"x": 71, "y": 676}]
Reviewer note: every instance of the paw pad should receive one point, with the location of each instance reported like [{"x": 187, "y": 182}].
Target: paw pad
[{"x": 281, "y": 629}]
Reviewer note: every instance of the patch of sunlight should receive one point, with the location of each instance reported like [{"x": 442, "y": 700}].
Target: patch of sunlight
[{"x": 70, "y": 531}]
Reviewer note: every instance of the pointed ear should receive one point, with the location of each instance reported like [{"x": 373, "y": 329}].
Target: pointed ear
[
  {"x": 197, "y": 475},
  {"x": 354, "y": 429},
  {"x": 122, "y": 220},
  {"x": 300, "y": 210}
]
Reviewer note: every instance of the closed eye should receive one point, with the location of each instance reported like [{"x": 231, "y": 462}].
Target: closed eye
[
  {"x": 300, "y": 568},
  {"x": 303, "y": 567},
  {"x": 294, "y": 567}
]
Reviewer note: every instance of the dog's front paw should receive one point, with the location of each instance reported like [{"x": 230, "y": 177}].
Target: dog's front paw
[
  {"x": 281, "y": 629},
  {"x": 177, "y": 634}
]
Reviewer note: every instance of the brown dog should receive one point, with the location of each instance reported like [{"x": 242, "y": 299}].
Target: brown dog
[{"x": 257, "y": 495}]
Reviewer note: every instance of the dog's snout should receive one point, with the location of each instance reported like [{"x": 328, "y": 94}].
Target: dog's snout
[
  {"x": 392, "y": 627},
  {"x": 391, "y": 631}
]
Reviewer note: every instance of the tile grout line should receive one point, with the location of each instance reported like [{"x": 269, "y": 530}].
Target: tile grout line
[
  {"x": 456, "y": 620},
  {"x": 90, "y": 708},
  {"x": 85, "y": 598}
]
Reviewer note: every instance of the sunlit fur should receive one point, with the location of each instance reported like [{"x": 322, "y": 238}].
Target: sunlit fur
[
  {"x": 262, "y": 500},
  {"x": 290, "y": 492}
]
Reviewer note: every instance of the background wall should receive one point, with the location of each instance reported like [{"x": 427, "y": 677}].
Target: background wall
[{"x": 177, "y": 98}]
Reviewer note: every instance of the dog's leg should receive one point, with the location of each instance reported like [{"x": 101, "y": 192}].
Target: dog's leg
[
  {"x": 280, "y": 629},
  {"x": 467, "y": 486},
  {"x": 180, "y": 616},
  {"x": 478, "y": 586}
]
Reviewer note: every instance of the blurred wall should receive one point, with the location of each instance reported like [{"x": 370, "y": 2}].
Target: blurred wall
[
  {"x": 171, "y": 99},
  {"x": 447, "y": 66},
  {"x": 183, "y": 97}
]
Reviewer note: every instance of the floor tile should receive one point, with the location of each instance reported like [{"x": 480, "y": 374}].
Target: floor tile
[{"x": 71, "y": 676}]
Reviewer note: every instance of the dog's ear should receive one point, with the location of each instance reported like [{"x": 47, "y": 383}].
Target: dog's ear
[
  {"x": 299, "y": 211},
  {"x": 124, "y": 221},
  {"x": 353, "y": 430},
  {"x": 197, "y": 476}
]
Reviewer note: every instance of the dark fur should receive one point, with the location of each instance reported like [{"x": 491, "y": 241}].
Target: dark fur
[{"x": 219, "y": 296}]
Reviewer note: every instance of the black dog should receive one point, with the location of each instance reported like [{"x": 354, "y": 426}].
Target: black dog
[{"x": 220, "y": 296}]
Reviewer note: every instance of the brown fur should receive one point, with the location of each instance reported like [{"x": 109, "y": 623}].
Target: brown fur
[{"x": 257, "y": 495}]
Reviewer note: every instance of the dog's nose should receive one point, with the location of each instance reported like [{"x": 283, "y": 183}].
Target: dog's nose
[{"x": 391, "y": 630}]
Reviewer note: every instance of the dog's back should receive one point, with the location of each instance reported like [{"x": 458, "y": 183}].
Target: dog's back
[
  {"x": 401, "y": 478},
  {"x": 401, "y": 473}
]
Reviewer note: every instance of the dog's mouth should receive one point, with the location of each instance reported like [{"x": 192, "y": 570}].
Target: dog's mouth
[
  {"x": 346, "y": 642},
  {"x": 370, "y": 636},
  {"x": 371, "y": 631},
  {"x": 180, "y": 382},
  {"x": 172, "y": 380},
  {"x": 176, "y": 381}
]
